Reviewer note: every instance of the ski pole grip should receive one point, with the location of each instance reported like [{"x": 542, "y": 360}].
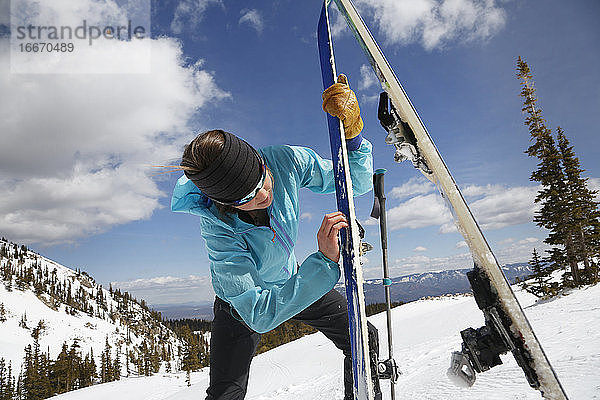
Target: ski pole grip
[{"x": 378, "y": 186}]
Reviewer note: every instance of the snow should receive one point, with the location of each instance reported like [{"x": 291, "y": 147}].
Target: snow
[
  {"x": 425, "y": 333},
  {"x": 90, "y": 331}
]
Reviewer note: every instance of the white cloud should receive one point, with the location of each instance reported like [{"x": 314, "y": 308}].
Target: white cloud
[
  {"x": 520, "y": 250},
  {"x": 594, "y": 185},
  {"x": 370, "y": 221},
  {"x": 448, "y": 227},
  {"x": 434, "y": 23},
  {"x": 414, "y": 186},
  {"x": 306, "y": 216},
  {"x": 76, "y": 148},
  {"x": 337, "y": 24},
  {"x": 189, "y": 13},
  {"x": 422, "y": 263},
  {"x": 367, "y": 78},
  {"x": 528, "y": 240},
  {"x": 515, "y": 252},
  {"x": 365, "y": 99},
  {"x": 461, "y": 245},
  {"x": 504, "y": 206},
  {"x": 170, "y": 290},
  {"x": 420, "y": 249},
  {"x": 474, "y": 191},
  {"x": 494, "y": 206},
  {"x": 253, "y": 19},
  {"x": 419, "y": 212}
]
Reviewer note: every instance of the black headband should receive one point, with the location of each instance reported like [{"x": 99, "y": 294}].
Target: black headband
[{"x": 233, "y": 174}]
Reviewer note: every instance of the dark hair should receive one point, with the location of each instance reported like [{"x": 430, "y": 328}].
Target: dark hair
[{"x": 201, "y": 152}]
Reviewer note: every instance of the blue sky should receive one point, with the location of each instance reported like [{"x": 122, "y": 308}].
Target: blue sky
[{"x": 76, "y": 147}]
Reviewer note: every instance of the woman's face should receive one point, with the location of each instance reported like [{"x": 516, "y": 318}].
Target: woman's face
[{"x": 263, "y": 198}]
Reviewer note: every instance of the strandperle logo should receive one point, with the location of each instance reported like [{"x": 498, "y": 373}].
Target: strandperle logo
[
  {"x": 81, "y": 32},
  {"x": 80, "y": 36}
]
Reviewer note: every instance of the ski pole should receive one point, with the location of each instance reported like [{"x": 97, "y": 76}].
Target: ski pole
[{"x": 379, "y": 213}]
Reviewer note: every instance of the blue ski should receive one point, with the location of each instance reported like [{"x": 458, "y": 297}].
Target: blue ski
[{"x": 363, "y": 386}]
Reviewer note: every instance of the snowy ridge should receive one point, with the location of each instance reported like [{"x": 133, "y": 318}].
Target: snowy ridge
[
  {"x": 425, "y": 333},
  {"x": 72, "y": 307}
]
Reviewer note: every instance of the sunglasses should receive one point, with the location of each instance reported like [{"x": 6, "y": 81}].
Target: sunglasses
[{"x": 248, "y": 198}]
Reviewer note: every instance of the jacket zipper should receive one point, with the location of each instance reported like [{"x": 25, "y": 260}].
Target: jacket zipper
[{"x": 275, "y": 236}]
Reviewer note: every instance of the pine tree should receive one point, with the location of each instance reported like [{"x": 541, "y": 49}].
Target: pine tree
[
  {"x": 106, "y": 367},
  {"x": 31, "y": 380},
  {"x": 7, "y": 385},
  {"x": 38, "y": 330},
  {"x": 86, "y": 370},
  {"x": 4, "y": 380},
  {"x": 46, "y": 389},
  {"x": 20, "y": 392},
  {"x": 74, "y": 364},
  {"x": 154, "y": 356},
  {"x": 541, "y": 276},
  {"x": 554, "y": 212},
  {"x": 12, "y": 385},
  {"x": 91, "y": 374},
  {"x": 585, "y": 217},
  {"x": 61, "y": 371},
  {"x": 23, "y": 322},
  {"x": 116, "y": 369},
  {"x": 37, "y": 390},
  {"x": 103, "y": 374},
  {"x": 139, "y": 362},
  {"x": 190, "y": 360}
]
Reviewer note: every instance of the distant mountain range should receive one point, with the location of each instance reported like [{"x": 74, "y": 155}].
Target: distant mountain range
[
  {"x": 185, "y": 311},
  {"x": 413, "y": 287},
  {"x": 405, "y": 288}
]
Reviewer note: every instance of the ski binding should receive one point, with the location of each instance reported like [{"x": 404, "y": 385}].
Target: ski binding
[
  {"x": 482, "y": 347},
  {"x": 400, "y": 135}
]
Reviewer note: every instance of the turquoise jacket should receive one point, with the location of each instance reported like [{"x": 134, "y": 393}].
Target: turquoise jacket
[{"x": 254, "y": 268}]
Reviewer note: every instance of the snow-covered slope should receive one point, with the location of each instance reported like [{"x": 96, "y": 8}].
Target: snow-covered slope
[
  {"x": 425, "y": 333},
  {"x": 71, "y": 306}
]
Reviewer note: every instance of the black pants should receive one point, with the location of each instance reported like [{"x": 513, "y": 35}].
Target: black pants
[{"x": 233, "y": 344}]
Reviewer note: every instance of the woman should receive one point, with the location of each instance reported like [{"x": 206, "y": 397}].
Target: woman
[{"x": 247, "y": 201}]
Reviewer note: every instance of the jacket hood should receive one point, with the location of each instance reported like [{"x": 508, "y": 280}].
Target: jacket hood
[{"x": 188, "y": 198}]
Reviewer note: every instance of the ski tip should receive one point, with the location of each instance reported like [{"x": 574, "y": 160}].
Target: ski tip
[{"x": 380, "y": 171}]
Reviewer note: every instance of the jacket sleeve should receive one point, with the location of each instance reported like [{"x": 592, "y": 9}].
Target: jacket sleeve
[
  {"x": 261, "y": 306},
  {"x": 316, "y": 173}
]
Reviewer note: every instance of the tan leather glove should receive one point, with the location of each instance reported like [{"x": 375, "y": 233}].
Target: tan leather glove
[{"x": 340, "y": 101}]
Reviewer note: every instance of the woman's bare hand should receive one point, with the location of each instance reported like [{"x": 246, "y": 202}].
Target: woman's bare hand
[{"x": 327, "y": 236}]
